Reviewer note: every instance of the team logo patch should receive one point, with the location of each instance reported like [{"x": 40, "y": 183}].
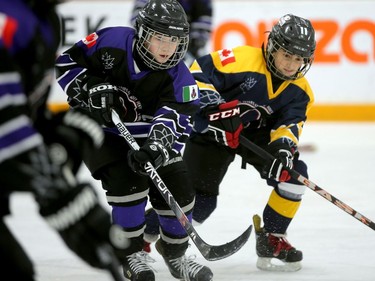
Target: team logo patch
[
  {"x": 90, "y": 40},
  {"x": 226, "y": 56},
  {"x": 189, "y": 93},
  {"x": 107, "y": 61}
]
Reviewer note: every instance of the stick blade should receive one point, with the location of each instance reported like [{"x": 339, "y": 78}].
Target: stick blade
[{"x": 223, "y": 251}]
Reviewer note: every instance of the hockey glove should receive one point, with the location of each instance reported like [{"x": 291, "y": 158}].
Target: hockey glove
[
  {"x": 254, "y": 116},
  {"x": 153, "y": 152},
  {"x": 278, "y": 168},
  {"x": 83, "y": 224},
  {"x": 74, "y": 130},
  {"x": 225, "y": 124},
  {"x": 104, "y": 97},
  {"x": 73, "y": 127}
]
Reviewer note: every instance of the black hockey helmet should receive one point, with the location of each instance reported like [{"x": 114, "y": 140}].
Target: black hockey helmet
[
  {"x": 295, "y": 35},
  {"x": 166, "y": 18}
]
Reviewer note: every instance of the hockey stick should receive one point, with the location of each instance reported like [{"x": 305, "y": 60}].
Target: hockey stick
[
  {"x": 209, "y": 252},
  {"x": 297, "y": 176}
]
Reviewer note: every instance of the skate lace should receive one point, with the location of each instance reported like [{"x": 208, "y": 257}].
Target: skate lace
[
  {"x": 139, "y": 262},
  {"x": 280, "y": 243},
  {"x": 186, "y": 266}
]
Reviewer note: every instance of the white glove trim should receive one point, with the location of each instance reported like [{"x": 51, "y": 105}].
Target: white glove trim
[{"x": 74, "y": 211}]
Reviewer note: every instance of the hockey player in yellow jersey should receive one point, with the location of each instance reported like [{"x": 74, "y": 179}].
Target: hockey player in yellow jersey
[
  {"x": 261, "y": 93},
  {"x": 268, "y": 86}
]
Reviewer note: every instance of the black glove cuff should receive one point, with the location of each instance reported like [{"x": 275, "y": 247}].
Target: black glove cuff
[
  {"x": 69, "y": 207},
  {"x": 85, "y": 125},
  {"x": 280, "y": 144}
]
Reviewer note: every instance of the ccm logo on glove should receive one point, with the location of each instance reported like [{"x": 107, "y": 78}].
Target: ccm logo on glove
[
  {"x": 224, "y": 114},
  {"x": 225, "y": 124}
]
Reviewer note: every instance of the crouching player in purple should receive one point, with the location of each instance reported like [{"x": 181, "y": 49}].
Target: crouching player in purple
[
  {"x": 41, "y": 151},
  {"x": 261, "y": 93},
  {"x": 140, "y": 73}
]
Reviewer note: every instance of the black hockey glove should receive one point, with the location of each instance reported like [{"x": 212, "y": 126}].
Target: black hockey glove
[
  {"x": 278, "y": 168},
  {"x": 225, "y": 124},
  {"x": 254, "y": 116},
  {"x": 104, "y": 97},
  {"x": 153, "y": 152},
  {"x": 71, "y": 127},
  {"x": 84, "y": 225},
  {"x": 75, "y": 130}
]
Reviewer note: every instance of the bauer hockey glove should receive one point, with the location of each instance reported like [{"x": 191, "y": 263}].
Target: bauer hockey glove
[
  {"x": 104, "y": 97},
  {"x": 153, "y": 152},
  {"x": 83, "y": 224},
  {"x": 224, "y": 123},
  {"x": 278, "y": 168}
]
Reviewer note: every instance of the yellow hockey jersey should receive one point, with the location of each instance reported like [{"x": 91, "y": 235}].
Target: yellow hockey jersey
[{"x": 241, "y": 73}]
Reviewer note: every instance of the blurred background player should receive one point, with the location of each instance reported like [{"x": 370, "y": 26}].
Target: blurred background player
[
  {"x": 40, "y": 152},
  {"x": 261, "y": 93},
  {"x": 199, "y": 14},
  {"x": 140, "y": 73}
]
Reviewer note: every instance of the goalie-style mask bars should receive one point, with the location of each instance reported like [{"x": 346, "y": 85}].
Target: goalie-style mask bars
[
  {"x": 167, "y": 21},
  {"x": 296, "y": 36}
]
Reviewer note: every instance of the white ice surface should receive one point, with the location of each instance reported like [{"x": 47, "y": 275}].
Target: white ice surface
[{"x": 336, "y": 246}]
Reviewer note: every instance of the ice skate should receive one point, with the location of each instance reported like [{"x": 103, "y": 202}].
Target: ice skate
[
  {"x": 136, "y": 267},
  {"x": 274, "y": 251},
  {"x": 185, "y": 269}
]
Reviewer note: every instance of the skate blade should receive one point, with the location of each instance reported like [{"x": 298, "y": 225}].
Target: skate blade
[{"x": 273, "y": 264}]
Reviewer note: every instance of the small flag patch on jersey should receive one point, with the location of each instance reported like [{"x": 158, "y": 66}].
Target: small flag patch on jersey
[
  {"x": 226, "y": 56},
  {"x": 8, "y": 27},
  {"x": 189, "y": 93},
  {"x": 90, "y": 40}
]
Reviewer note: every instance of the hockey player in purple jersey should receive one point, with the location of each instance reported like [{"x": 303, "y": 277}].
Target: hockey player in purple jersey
[
  {"x": 199, "y": 14},
  {"x": 141, "y": 75},
  {"x": 40, "y": 151},
  {"x": 263, "y": 94}
]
